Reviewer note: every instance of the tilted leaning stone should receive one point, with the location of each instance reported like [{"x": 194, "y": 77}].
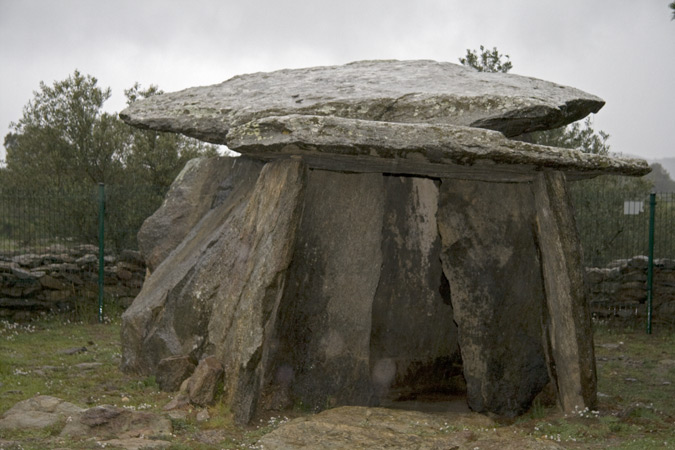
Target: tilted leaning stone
[{"x": 379, "y": 237}]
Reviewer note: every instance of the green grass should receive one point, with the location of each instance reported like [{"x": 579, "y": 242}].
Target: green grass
[
  {"x": 34, "y": 361},
  {"x": 636, "y": 388},
  {"x": 636, "y": 382}
]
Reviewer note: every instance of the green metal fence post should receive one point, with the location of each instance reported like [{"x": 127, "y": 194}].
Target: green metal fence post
[
  {"x": 650, "y": 262},
  {"x": 101, "y": 248}
]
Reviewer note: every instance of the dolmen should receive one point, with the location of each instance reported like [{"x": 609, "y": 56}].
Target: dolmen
[{"x": 385, "y": 230}]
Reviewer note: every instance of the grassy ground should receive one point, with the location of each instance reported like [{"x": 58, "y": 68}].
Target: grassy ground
[
  {"x": 636, "y": 396},
  {"x": 636, "y": 375},
  {"x": 47, "y": 358}
]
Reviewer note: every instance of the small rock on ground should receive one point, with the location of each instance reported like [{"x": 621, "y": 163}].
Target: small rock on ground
[
  {"x": 129, "y": 427},
  {"x": 107, "y": 420},
  {"x": 38, "y": 412},
  {"x": 135, "y": 443}
]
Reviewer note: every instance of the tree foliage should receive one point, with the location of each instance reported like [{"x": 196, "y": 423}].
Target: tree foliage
[
  {"x": 599, "y": 202},
  {"x": 661, "y": 178},
  {"x": 65, "y": 143},
  {"x": 63, "y": 138},
  {"x": 575, "y": 135},
  {"x": 486, "y": 60},
  {"x": 157, "y": 157}
]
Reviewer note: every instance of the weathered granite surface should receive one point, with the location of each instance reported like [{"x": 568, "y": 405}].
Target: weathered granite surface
[
  {"x": 107, "y": 420},
  {"x": 372, "y": 241},
  {"x": 326, "y": 312},
  {"x": 440, "y": 150},
  {"x": 37, "y": 412},
  {"x": 366, "y": 244},
  {"x": 202, "y": 184},
  {"x": 339, "y": 288},
  {"x": 491, "y": 258},
  {"x": 150, "y": 330},
  {"x": 567, "y": 320},
  {"x": 172, "y": 371},
  {"x": 48, "y": 414},
  {"x": 389, "y": 91}
]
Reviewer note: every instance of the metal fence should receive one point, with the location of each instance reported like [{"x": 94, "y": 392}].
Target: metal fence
[
  {"x": 49, "y": 247},
  {"x": 72, "y": 251},
  {"x": 36, "y": 220},
  {"x": 628, "y": 239},
  {"x": 615, "y": 226}
]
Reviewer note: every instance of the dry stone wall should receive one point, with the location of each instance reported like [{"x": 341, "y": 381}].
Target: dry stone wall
[
  {"x": 60, "y": 278},
  {"x": 618, "y": 292}
]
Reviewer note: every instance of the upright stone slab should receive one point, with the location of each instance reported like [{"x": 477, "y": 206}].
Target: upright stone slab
[
  {"x": 170, "y": 315},
  {"x": 187, "y": 308},
  {"x": 492, "y": 263},
  {"x": 247, "y": 280},
  {"x": 567, "y": 321},
  {"x": 325, "y": 319},
  {"x": 202, "y": 185}
]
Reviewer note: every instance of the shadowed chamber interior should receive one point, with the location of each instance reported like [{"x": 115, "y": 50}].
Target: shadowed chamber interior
[{"x": 414, "y": 353}]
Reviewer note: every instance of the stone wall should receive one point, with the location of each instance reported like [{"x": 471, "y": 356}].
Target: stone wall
[
  {"x": 61, "y": 279},
  {"x": 618, "y": 292},
  {"x": 53, "y": 280}
]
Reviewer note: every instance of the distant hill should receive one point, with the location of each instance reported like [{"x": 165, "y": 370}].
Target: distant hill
[
  {"x": 663, "y": 182},
  {"x": 667, "y": 163}
]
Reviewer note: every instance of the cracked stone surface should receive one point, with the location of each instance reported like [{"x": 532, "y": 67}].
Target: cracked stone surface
[{"x": 354, "y": 145}]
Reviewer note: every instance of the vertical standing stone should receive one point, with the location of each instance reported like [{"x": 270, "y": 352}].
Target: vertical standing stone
[
  {"x": 325, "y": 317},
  {"x": 202, "y": 185},
  {"x": 568, "y": 323},
  {"x": 218, "y": 291},
  {"x": 491, "y": 261}
]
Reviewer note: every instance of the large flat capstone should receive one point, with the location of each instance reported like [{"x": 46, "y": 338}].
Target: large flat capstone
[
  {"x": 439, "y": 150},
  {"x": 388, "y": 91}
]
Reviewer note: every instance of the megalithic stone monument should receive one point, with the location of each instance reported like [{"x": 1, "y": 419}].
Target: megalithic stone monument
[{"x": 381, "y": 234}]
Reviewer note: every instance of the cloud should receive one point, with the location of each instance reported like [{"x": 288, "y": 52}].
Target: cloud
[{"x": 618, "y": 50}]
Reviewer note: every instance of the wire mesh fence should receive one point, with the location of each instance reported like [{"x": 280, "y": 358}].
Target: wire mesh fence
[
  {"x": 49, "y": 256},
  {"x": 34, "y": 221},
  {"x": 614, "y": 228},
  {"x": 49, "y": 249}
]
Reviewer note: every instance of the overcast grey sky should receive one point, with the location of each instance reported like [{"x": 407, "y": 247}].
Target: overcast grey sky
[{"x": 620, "y": 50}]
